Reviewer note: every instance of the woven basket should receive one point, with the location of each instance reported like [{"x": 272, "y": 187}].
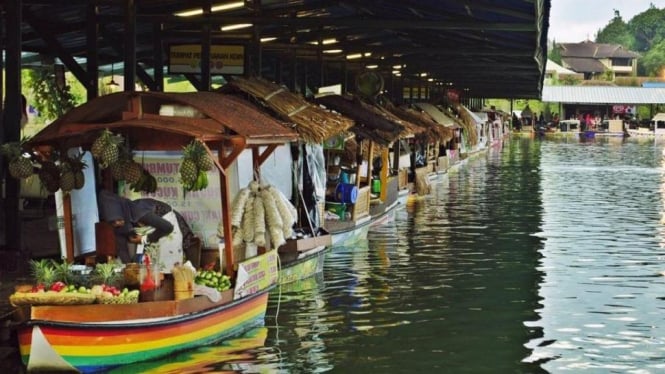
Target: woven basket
[{"x": 51, "y": 298}]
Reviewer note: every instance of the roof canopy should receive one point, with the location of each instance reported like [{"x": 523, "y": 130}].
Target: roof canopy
[
  {"x": 483, "y": 48},
  {"x": 603, "y": 95},
  {"x": 165, "y": 121}
]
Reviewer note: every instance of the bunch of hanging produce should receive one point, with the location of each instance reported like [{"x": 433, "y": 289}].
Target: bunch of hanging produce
[
  {"x": 111, "y": 152},
  {"x": 196, "y": 163},
  {"x": 65, "y": 174},
  {"x": 71, "y": 173},
  {"x": 20, "y": 164},
  {"x": 259, "y": 211},
  {"x": 106, "y": 148}
]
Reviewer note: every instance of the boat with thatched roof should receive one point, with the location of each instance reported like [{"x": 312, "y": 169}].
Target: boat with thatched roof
[{"x": 97, "y": 337}]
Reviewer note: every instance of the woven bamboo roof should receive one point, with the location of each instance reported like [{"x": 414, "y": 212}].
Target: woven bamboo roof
[
  {"x": 312, "y": 122},
  {"x": 210, "y": 117},
  {"x": 370, "y": 122},
  {"x": 430, "y": 129}
]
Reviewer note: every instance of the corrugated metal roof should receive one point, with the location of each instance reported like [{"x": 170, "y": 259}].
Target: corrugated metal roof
[{"x": 603, "y": 95}]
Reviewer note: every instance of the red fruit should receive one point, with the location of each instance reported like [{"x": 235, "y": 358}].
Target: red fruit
[
  {"x": 57, "y": 286},
  {"x": 37, "y": 288}
]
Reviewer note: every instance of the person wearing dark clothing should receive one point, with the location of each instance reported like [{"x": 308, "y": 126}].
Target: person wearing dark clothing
[
  {"x": 517, "y": 124},
  {"x": 125, "y": 215}
]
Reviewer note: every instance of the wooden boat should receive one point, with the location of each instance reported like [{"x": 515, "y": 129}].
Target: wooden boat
[
  {"x": 301, "y": 258},
  {"x": 368, "y": 196},
  {"x": 97, "y": 337},
  {"x": 303, "y": 255},
  {"x": 236, "y": 353}
]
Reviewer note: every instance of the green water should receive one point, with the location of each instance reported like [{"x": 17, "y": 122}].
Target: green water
[{"x": 544, "y": 256}]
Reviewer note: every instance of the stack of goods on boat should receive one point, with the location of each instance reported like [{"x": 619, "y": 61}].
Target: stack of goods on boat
[{"x": 261, "y": 216}]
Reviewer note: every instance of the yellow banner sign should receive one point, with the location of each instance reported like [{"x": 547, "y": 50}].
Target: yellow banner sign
[
  {"x": 256, "y": 274},
  {"x": 224, "y": 59}
]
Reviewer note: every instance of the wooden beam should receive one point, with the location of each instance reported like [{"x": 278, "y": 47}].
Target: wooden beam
[{"x": 55, "y": 47}]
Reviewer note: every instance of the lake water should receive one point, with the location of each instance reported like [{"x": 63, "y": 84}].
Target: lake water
[{"x": 542, "y": 257}]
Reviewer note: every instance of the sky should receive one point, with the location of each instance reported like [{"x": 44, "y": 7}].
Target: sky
[{"x": 573, "y": 21}]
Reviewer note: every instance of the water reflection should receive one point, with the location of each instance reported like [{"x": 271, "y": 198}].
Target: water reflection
[
  {"x": 543, "y": 257},
  {"x": 602, "y": 258},
  {"x": 236, "y": 355}
]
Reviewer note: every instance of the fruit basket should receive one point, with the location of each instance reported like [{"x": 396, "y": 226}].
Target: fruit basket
[{"x": 105, "y": 294}]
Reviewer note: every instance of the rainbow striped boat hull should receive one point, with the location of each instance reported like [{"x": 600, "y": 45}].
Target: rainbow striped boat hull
[{"x": 60, "y": 338}]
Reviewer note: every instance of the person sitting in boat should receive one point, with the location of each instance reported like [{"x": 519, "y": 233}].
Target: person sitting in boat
[{"x": 126, "y": 215}]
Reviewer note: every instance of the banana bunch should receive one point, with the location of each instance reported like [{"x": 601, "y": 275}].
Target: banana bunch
[{"x": 195, "y": 166}]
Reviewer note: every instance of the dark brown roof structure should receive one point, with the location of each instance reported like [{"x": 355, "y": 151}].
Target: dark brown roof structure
[
  {"x": 463, "y": 43},
  {"x": 429, "y": 128},
  {"x": 370, "y": 122},
  {"x": 585, "y": 57},
  {"x": 312, "y": 122},
  {"x": 140, "y": 118},
  {"x": 588, "y": 49}
]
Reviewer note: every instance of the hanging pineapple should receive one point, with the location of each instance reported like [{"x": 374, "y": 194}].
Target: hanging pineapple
[
  {"x": 106, "y": 148},
  {"x": 132, "y": 171},
  {"x": 49, "y": 175},
  {"x": 77, "y": 165},
  {"x": 19, "y": 165},
  {"x": 202, "y": 158},
  {"x": 67, "y": 178},
  {"x": 194, "y": 167}
]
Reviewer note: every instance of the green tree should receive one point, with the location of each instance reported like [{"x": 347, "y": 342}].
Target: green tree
[
  {"x": 652, "y": 62},
  {"x": 616, "y": 32},
  {"x": 555, "y": 53},
  {"x": 48, "y": 99},
  {"x": 648, "y": 28}
]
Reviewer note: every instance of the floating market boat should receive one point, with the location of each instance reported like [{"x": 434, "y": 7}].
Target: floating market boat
[
  {"x": 97, "y": 337},
  {"x": 302, "y": 255}
]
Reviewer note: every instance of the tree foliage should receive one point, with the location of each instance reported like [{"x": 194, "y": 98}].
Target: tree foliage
[
  {"x": 653, "y": 61},
  {"x": 46, "y": 97},
  {"x": 616, "y": 32},
  {"x": 555, "y": 53},
  {"x": 648, "y": 28}
]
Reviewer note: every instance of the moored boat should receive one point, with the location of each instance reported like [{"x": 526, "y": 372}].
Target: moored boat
[{"x": 99, "y": 336}]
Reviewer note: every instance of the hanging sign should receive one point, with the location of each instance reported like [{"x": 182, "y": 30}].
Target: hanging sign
[{"x": 224, "y": 59}]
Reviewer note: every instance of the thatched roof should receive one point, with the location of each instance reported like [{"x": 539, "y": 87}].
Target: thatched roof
[
  {"x": 370, "y": 121},
  {"x": 207, "y": 116},
  {"x": 313, "y": 123},
  {"x": 429, "y": 128}
]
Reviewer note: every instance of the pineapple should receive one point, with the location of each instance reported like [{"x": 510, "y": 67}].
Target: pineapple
[
  {"x": 77, "y": 165},
  {"x": 43, "y": 272},
  {"x": 79, "y": 179},
  {"x": 188, "y": 173},
  {"x": 49, "y": 175},
  {"x": 105, "y": 274},
  {"x": 19, "y": 166},
  {"x": 201, "y": 157},
  {"x": 195, "y": 164},
  {"x": 132, "y": 171},
  {"x": 118, "y": 169},
  {"x": 67, "y": 177},
  {"x": 99, "y": 144},
  {"x": 63, "y": 272},
  {"x": 106, "y": 148}
]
